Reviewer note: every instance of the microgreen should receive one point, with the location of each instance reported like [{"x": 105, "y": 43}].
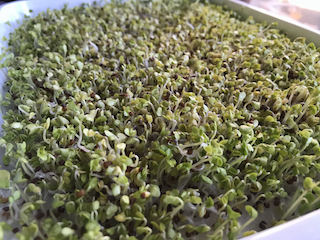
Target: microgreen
[{"x": 157, "y": 120}]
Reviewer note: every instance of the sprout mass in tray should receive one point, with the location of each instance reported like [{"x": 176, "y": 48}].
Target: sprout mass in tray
[{"x": 157, "y": 120}]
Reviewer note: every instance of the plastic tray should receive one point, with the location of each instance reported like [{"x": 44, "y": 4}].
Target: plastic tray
[{"x": 305, "y": 227}]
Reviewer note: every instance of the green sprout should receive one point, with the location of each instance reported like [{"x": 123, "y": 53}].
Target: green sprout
[{"x": 156, "y": 120}]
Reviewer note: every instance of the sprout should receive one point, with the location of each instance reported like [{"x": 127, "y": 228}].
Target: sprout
[
  {"x": 4, "y": 179},
  {"x": 157, "y": 120}
]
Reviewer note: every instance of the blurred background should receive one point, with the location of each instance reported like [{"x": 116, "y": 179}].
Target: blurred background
[{"x": 304, "y": 11}]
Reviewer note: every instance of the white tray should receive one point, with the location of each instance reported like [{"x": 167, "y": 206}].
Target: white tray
[{"x": 306, "y": 227}]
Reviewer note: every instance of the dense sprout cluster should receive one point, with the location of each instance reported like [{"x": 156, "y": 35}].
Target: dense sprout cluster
[{"x": 157, "y": 120}]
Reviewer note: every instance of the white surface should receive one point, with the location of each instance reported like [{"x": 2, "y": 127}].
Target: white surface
[
  {"x": 308, "y": 4},
  {"x": 306, "y": 227}
]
